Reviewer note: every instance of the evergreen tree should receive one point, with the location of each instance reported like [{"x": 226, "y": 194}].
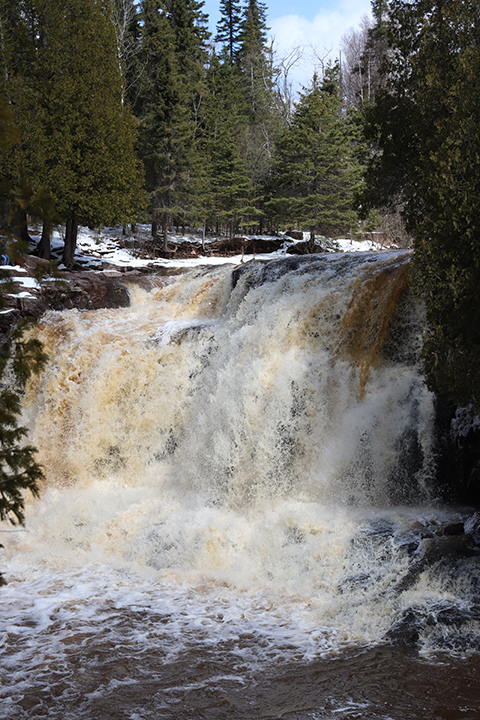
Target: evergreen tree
[
  {"x": 165, "y": 135},
  {"x": 77, "y": 134},
  {"x": 229, "y": 27},
  {"x": 189, "y": 24},
  {"x": 253, "y": 36},
  {"x": 19, "y": 357},
  {"x": 263, "y": 120},
  {"x": 426, "y": 125},
  {"x": 173, "y": 46},
  {"x": 315, "y": 171},
  {"x": 226, "y": 182},
  {"x": 18, "y": 28}
]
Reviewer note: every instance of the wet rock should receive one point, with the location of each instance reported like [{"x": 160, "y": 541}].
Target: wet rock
[
  {"x": 248, "y": 246},
  {"x": 294, "y": 234},
  {"x": 355, "y": 582},
  {"x": 81, "y": 289},
  {"x": 237, "y": 245},
  {"x": 455, "y": 528},
  {"x": 88, "y": 291},
  {"x": 453, "y": 615},
  {"x": 432, "y": 550},
  {"x": 472, "y": 528},
  {"x": 306, "y": 248},
  {"x": 415, "y": 621},
  {"x": 381, "y": 527},
  {"x": 406, "y": 631}
]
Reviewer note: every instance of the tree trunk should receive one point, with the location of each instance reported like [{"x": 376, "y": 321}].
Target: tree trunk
[
  {"x": 71, "y": 229},
  {"x": 154, "y": 227},
  {"x": 165, "y": 232},
  {"x": 44, "y": 246},
  {"x": 20, "y": 227}
]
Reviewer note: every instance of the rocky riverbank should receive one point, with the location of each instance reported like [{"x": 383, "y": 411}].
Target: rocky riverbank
[{"x": 82, "y": 289}]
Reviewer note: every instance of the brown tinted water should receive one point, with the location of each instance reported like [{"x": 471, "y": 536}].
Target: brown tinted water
[
  {"x": 98, "y": 680},
  {"x": 240, "y": 517}
]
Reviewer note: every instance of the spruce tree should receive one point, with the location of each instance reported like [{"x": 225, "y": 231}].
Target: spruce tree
[
  {"x": 253, "y": 36},
  {"x": 229, "y": 27},
  {"x": 174, "y": 54},
  {"x": 165, "y": 134},
  {"x": 263, "y": 121},
  {"x": 227, "y": 184},
  {"x": 315, "y": 172}
]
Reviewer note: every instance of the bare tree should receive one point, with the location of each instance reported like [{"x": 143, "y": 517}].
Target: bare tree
[
  {"x": 281, "y": 88},
  {"x": 124, "y": 15},
  {"x": 363, "y": 51}
]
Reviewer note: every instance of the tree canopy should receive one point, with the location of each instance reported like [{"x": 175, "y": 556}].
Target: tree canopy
[
  {"x": 426, "y": 125},
  {"x": 77, "y": 133},
  {"x": 315, "y": 173}
]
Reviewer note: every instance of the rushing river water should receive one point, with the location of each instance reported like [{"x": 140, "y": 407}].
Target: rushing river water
[{"x": 240, "y": 517}]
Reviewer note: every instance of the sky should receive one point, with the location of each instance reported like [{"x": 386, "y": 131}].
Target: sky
[{"x": 316, "y": 25}]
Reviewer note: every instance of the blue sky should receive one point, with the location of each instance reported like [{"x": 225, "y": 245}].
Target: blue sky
[{"x": 316, "y": 25}]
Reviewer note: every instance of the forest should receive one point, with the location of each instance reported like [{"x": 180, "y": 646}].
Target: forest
[
  {"x": 118, "y": 111},
  {"x": 178, "y": 127}
]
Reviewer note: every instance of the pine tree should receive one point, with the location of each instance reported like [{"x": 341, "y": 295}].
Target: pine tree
[
  {"x": 165, "y": 135},
  {"x": 315, "y": 171},
  {"x": 229, "y": 27}
]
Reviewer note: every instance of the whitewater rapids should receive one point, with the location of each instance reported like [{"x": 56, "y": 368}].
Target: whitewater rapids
[{"x": 240, "y": 466}]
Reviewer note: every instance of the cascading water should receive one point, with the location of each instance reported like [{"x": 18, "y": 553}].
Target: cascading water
[{"x": 240, "y": 481}]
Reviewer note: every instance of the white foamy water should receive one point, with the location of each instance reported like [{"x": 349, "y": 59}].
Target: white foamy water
[{"x": 240, "y": 467}]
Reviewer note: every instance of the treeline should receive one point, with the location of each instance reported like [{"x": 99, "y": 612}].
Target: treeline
[{"x": 131, "y": 109}]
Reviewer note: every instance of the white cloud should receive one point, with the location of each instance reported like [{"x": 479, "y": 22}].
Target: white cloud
[{"x": 319, "y": 37}]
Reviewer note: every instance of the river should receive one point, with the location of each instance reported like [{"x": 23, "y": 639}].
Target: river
[{"x": 241, "y": 515}]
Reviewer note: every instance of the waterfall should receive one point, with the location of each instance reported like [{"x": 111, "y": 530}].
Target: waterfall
[
  {"x": 244, "y": 458},
  {"x": 292, "y": 378}
]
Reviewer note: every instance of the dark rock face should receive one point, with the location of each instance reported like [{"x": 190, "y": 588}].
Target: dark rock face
[
  {"x": 87, "y": 291},
  {"x": 407, "y": 630},
  {"x": 238, "y": 245},
  {"x": 83, "y": 289},
  {"x": 305, "y": 248},
  {"x": 458, "y": 443},
  {"x": 444, "y": 619}
]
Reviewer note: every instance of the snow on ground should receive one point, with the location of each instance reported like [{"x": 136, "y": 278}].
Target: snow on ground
[
  {"x": 21, "y": 278},
  {"x": 95, "y": 247}
]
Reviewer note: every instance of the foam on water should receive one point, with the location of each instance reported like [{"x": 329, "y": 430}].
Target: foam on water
[{"x": 235, "y": 462}]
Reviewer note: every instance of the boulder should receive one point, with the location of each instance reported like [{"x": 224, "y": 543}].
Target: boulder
[{"x": 294, "y": 234}]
